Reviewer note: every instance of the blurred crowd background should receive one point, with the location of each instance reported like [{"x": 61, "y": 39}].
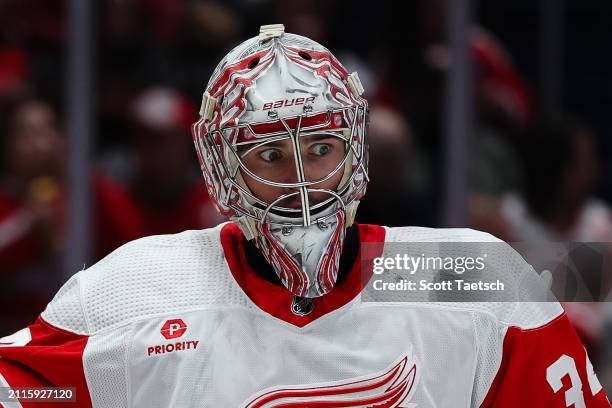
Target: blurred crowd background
[{"x": 539, "y": 146}]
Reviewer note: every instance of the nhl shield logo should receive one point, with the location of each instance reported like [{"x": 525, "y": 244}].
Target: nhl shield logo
[{"x": 301, "y": 306}]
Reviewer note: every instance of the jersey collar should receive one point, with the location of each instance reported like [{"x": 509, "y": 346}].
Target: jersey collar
[{"x": 276, "y": 300}]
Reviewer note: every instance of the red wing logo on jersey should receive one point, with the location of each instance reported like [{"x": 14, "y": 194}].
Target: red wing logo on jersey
[{"x": 389, "y": 389}]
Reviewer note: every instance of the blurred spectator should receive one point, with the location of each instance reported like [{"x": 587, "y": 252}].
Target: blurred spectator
[
  {"x": 562, "y": 171},
  {"x": 394, "y": 191},
  {"x": 501, "y": 108},
  {"x": 152, "y": 42},
  {"x": 32, "y": 200},
  {"x": 166, "y": 185},
  {"x": 33, "y": 211}
]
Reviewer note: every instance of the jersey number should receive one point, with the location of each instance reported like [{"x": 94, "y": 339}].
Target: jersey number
[{"x": 566, "y": 365}]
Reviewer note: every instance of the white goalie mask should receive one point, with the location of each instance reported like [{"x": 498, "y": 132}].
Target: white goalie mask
[{"x": 281, "y": 144}]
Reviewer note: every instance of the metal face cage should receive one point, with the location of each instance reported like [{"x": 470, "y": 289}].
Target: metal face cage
[{"x": 223, "y": 150}]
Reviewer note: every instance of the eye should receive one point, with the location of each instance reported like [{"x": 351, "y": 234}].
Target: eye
[
  {"x": 270, "y": 155},
  {"x": 321, "y": 149}
]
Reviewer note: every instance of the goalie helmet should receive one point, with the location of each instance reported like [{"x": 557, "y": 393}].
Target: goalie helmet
[{"x": 286, "y": 103}]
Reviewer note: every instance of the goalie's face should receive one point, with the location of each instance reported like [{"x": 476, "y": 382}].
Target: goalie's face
[{"x": 320, "y": 158}]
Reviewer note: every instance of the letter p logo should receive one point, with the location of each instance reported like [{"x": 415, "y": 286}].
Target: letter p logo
[{"x": 173, "y": 329}]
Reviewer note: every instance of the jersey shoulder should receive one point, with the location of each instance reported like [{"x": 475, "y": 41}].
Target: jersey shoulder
[
  {"x": 146, "y": 277},
  {"x": 425, "y": 234},
  {"x": 525, "y": 303}
]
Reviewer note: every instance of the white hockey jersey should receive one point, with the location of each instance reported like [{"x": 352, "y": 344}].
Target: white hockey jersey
[{"x": 182, "y": 321}]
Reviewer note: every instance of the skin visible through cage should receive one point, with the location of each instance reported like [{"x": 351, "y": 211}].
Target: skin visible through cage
[{"x": 275, "y": 161}]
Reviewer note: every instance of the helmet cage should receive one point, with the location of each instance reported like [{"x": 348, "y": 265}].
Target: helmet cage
[{"x": 224, "y": 162}]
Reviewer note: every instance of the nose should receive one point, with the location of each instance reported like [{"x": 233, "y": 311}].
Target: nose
[{"x": 290, "y": 175}]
